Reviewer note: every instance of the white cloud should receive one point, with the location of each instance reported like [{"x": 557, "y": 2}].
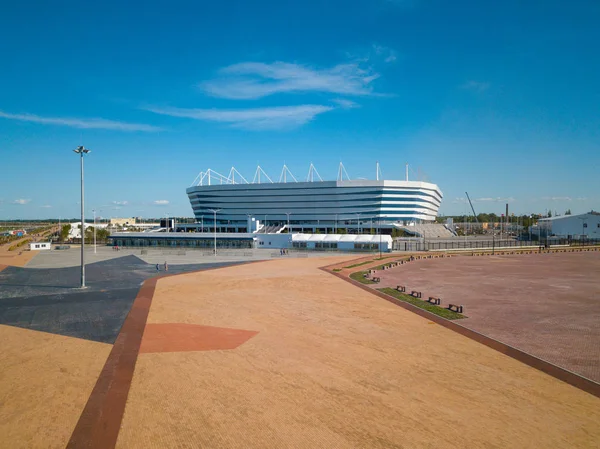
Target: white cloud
[
  {"x": 97, "y": 123},
  {"x": 346, "y": 104},
  {"x": 280, "y": 117},
  {"x": 161, "y": 202},
  {"x": 121, "y": 203},
  {"x": 251, "y": 80},
  {"x": 385, "y": 53},
  {"x": 21, "y": 201},
  {"x": 581, "y": 198},
  {"x": 476, "y": 86},
  {"x": 46, "y": 206},
  {"x": 494, "y": 200},
  {"x": 498, "y": 199},
  {"x": 557, "y": 198}
]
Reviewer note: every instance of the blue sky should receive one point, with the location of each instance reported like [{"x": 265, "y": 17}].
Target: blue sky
[{"x": 500, "y": 99}]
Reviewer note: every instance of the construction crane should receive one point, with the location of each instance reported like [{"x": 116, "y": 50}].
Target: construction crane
[{"x": 472, "y": 208}]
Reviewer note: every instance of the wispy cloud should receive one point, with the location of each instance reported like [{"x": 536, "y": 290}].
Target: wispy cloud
[
  {"x": 385, "y": 53},
  {"x": 498, "y": 199},
  {"x": 281, "y": 117},
  {"x": 251, "y": 80},
  {"x": 557, "y": 198},
  {"x": 96, "y": 123},
  {"x": 346, "y": 104},
  {"x": 46, "y": 206},
  {"x": 21, "y": 201},
  {"x": 161, "y": 202},
  {"x": 495, "y": 200},
  {"x": 476, "y": 86},
  {"x": 121, "y": 203}
]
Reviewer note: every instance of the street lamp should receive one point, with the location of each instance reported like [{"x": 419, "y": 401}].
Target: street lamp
[
  {"x": 288, "y": 222},
  {"x": 81, "y": 150},
  {"x": 214, "y": 211},
  {"x": 94, "y": 211}
]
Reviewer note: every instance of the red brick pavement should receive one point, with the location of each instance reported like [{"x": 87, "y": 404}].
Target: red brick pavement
[{"x": 545, "y": 304}]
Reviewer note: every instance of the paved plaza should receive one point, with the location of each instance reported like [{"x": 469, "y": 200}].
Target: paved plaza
[
  {"x": 547, "y": 305},
  {"x": 267, "y": 354}
]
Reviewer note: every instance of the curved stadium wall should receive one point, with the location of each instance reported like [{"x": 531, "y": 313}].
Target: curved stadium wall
[{"x": 322, "y": 202}]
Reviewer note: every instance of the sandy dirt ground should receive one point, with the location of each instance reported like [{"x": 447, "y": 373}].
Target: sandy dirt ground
[
  {"x": 45, "y": 381},
  {"x": 545, "y": 304},
  {"x": 21, "y": 256},
  {"x": 333, "y": 366}
]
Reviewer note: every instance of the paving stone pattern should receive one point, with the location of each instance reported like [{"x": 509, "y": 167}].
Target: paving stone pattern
[{"x": 48, "y": 299}]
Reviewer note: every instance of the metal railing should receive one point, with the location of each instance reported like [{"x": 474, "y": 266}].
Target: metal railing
[{"x": 458, "y": 244}]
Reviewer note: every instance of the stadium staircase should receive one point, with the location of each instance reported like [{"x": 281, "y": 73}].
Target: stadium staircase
[
  {"x": 271, "y": 229},
  {"x": 428, "y": 230}
]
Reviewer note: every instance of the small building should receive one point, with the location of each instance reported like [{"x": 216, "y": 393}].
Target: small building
[
  {"x": 38, "y": 246},
  {"x": 343, "y": 242},
  {"x": 582, "y": 226},
  {"x": 206, "y": 240}
]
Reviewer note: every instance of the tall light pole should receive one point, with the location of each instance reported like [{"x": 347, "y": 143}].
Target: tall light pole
[
  {"x": 94, "y": 211},
  {"x": 214, "y": 211},
  {"x": 335, "y": 228},
  {"x": 530, "y": 224},
  {"x": 288, "y": 221},
  {"x": 358, "y": 223},
  {"x": 81, "y": 150}
]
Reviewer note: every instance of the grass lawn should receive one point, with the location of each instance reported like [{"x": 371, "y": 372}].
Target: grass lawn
[
  {"x": 439, "y": 311},
  {"x": 360, "y": 277},
  {"x": 337, "y": 269}
]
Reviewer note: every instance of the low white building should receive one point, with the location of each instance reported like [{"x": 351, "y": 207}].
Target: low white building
[
  {"x": 38, "y": 246},
  {"x": 342, "y": 242},
  {"x": 579, "y": 226}
]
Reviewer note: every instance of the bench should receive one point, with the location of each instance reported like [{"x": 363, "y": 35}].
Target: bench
[
  {"x": 401, "y": 288},
  {"x": 433, "y": 300},
  {"x": 415, "y": 293},
  {"x": 455, "y": 308},
  {"x": 376, "y": 279}
]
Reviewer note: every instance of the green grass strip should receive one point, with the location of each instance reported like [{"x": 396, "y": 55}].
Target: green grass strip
[
  {"x": 337, "y": 269},
  {"x": 360, "y": 277},
  {"x": 437, "y": 310}
]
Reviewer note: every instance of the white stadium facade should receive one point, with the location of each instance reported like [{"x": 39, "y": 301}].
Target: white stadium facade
[{"x": 313, "y": 205}]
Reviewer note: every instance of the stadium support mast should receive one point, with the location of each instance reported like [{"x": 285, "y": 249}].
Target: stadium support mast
[
  {"x": 284, "y": 172},
  {"x": 311, "y": 173},
  {"x": 472, "y": 208},
  {"x": 407, "y": 172},
  {"x": 341, "y": 172},
  {"x": 377, "y": 172},
  {"x": 257, "y": 174}
]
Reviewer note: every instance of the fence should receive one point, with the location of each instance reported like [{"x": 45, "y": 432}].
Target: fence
[{"x": 457, "y": 244}]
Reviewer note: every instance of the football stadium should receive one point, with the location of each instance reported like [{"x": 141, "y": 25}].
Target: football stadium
[{"x": 312, "y": 205}]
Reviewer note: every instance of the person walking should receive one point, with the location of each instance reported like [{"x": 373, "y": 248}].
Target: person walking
[
  {"x": 166, "y": 266},
  {"x": 157, "y": 268}
]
